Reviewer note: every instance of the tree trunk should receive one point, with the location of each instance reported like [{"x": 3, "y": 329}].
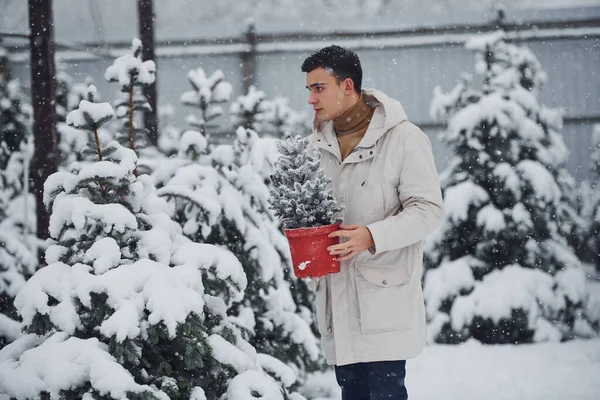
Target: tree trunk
[
  {"x": 43, "y": 87},
  {"x": 146, "y": 30}
]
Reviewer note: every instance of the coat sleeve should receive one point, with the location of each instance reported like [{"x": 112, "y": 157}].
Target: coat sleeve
[{"x": 420, "y": 195}]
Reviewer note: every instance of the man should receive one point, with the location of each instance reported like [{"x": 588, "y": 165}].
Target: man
[{"x": 371, "y": 315}]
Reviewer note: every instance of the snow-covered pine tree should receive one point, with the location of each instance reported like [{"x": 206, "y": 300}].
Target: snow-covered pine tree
[
  {"x": 68, "y": 96},
  {"x": 593, "y": 214},
  {"x": 501, "y": 269},
  {"x": 15, "y": 117},
  {"x": 69, "y": 92},
  {"x": 127, "y": 307},
  {"x": 207, "y": 93},
  {"x": 220, "y": 203},
  {"x": 18, "y": 246},
  {"x": 64, "y": 81},
  {"x": 250, "y": 110},
  {"x": 300, "y": 196},
  {"x": 246, "y": 178},
  {"x": 260, "y": 153},
  {"x": 132, "y": 73},
  {"x": 169, "y": 134},
  {"x": 280, "y": 118}
]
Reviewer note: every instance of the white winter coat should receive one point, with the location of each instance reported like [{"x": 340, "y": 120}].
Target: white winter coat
[{"x": 373, "y": 309}]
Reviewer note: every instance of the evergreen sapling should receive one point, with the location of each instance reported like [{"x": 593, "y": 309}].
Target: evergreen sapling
[
  {"x": 300, "y": 194},
  {"x": 207, "y": 93},
  {"x": 132, "y": 73},
  {"x": 249, "y": 110}
]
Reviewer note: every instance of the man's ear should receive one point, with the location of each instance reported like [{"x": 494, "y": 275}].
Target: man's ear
[{"x": 348, "y": 85}]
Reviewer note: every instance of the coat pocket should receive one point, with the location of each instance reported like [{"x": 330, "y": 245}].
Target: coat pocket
[
  {"x": 383, "y": 297},
  {"x": 323, "y": 308}
]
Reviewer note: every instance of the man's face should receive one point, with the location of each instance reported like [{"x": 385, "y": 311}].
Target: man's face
[{"x": 327, "y": 97}]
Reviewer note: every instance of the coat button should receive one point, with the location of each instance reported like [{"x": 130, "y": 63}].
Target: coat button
[
  {"x": 329, "y": 145},
  {"x": 384, "y": 282},
  {"x": 371, "y": 152},
  {"x": 360, "y": 156}
]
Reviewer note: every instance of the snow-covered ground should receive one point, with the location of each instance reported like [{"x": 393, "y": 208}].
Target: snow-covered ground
[{"x": 471, "y": 371}]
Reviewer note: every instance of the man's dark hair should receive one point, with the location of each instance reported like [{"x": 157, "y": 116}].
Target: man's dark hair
[{"x": 343, "y": 62}]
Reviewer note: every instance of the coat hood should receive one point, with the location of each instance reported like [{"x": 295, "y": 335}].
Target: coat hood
[{"x": 388, "y": 114}]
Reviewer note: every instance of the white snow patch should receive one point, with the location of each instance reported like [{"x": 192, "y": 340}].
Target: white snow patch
[
  {"x": 460, "y": 197},
  {"x": 302, "y": 266}
]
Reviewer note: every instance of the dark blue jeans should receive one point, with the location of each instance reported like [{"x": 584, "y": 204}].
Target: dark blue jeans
[{"x": 381, "y": 380}]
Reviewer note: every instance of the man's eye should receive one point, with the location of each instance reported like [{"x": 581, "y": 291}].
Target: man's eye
[{"x": 319, "y": 88}]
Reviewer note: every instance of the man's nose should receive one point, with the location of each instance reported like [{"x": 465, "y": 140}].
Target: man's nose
[{"x": 311, "y": 99}]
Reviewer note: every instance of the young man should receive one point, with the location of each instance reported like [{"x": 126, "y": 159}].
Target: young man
[{"x": 371, "y": 315}]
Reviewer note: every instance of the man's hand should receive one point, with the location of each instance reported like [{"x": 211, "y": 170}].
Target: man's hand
[{"x": 359, "y": 239}]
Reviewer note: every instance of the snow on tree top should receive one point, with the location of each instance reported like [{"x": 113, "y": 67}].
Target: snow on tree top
[
  {"x": 195, "y": 139},
  {"x": 212, "y": 89},
  {"x": 249, "y": 100},
  {"x": 136, "y": 45},
  {"x": 131, "y": 66},
  {"x": 91, "y": 91},
  {"x": 89, "y": 115}
]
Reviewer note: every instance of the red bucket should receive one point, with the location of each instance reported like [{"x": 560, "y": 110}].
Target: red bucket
[{"x": 308, "y": 247}]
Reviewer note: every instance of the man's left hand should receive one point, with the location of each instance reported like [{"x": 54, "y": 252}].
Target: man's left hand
[{"x": 359, "y": 239}]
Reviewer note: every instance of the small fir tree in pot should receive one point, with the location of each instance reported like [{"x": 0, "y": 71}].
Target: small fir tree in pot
[{"x": 303, "y": 201}]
